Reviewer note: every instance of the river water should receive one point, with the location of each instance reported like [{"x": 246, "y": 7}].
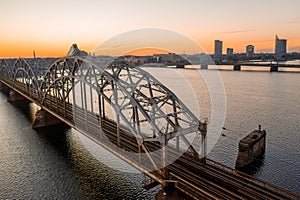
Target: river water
[{"x": 53, "y": 163}]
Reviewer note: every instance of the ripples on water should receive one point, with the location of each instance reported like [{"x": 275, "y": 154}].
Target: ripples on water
[
  {"x": 272, "y": 100},
  {"x": 53, "y": 163}
]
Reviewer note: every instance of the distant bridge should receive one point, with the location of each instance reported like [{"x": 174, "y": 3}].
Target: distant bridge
[
  {"x": 274, "y": 67},
  {"x": 131, "y": 114}
]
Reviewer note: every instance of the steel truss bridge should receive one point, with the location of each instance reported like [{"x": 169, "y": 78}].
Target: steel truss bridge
[{"x": 131, "y": 114}]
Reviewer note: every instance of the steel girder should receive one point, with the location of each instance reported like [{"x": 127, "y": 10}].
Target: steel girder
[
  {"x": 18, "y": 71},
  {"x": 5, "y": 70},
  {"x": 58, "y": 79},
  {"x": 146, "y": 106},
  {"x": 141, "y": 103}
]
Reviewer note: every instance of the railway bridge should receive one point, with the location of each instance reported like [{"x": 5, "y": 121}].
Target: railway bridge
[{"x": 131, "y": 114}]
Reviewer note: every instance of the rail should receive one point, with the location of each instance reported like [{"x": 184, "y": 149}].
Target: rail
[{"x": 197, "y": 179}]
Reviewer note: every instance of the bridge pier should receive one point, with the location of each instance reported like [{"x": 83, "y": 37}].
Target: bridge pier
[
  {"x": 204, "y": 66},
  {"x": 237, "y": 67},
  {"x": 273, "y": 68},
  {"x": 2, "y": 86},
  {"x": 174, "y": 194},
  {"x": 14, "y": 96},
  {"x": 168, "y": 189},
  {"x": 44, "y": 119},
  {"x": 180, "y": 66}
]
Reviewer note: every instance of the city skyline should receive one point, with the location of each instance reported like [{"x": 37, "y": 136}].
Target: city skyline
[{"x": 50, "y": 27}]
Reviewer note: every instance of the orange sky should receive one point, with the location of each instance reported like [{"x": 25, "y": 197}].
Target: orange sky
[
  {"x": 146, "y": 51},
  {"x": 50, "y": 27}
]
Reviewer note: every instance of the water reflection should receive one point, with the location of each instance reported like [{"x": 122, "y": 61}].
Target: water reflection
[
  {"x": 57, "y": 137},
  {"x": 54, "y": 164},
  {"x": 27, "y": 108},
  {"x": 97, "y": 180}
]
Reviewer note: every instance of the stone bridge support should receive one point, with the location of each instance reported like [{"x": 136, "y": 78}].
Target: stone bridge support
[
  {"x": 14, "y": 96},
  {"x": 44, "y": 119},
  {"x": 237, "y": 67},
  {"x": 204, "y": 66},
  {"x": 273, "y": 68},
  {"x": 4, "y": 88}
]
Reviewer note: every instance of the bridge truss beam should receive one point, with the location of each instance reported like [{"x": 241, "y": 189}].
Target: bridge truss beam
[{"x": 84, "y": 90}]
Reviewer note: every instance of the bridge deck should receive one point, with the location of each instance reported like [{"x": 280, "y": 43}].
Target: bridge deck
[
  {"x": 196, "y": 178},
  {"x": 209, "y": 180}
]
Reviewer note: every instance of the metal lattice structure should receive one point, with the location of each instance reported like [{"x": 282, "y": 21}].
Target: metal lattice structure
[
  {"x": 80, "y": 90},
  {"x": 146, "y": 118}
]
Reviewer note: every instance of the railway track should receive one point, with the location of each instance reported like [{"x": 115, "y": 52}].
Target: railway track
[
  {"x": 196, "y": 179},
  {"x": 205, "y": 180}
]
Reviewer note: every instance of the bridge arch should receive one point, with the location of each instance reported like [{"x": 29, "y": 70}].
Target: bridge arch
[
  {"x": 144, "y": 92},
  {"x": 23, "y": 76},
  {"x": 137, "y": 97},
  {"x": 57, "y": 79},
  {"x": 141, "y": 105},
  {"x": 5, "y": 70}
]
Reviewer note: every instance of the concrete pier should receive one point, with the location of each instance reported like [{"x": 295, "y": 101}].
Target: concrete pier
[
  {"x": 251, "y": 147},
  {"x": 273, "y": 68},
  {"x": 171, "y": 195},
  {"x": 204, "y": 66},
  {"x": 180, "y": 66},
  {"x": 43, "y": 119},
  {"x": 2, "y": 86},
  {"x": 237, "y": 67},
  {"x": 14, "y": 96}
]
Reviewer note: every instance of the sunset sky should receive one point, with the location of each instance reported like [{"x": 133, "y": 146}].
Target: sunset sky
[{"x": 50, "y": 26}]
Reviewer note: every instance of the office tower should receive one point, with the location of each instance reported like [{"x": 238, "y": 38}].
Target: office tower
[
  {"x": 218, "y": 49},
  {"x": 280, "y": 48},
  {"x": 229, "y": 51},
  {"x": 250, "y": 51}
]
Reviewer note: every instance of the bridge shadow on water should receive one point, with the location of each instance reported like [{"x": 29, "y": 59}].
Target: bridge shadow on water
[
  {"x": 27, "y": 108},
  {"x": 55, "y": 135},
  {"x": 97, "y": 180}
]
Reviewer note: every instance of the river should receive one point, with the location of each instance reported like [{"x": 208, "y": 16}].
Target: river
[{"x": 53, "y": 163}]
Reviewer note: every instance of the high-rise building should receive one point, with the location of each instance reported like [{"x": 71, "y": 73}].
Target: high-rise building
[
  {"x": 280, "y": 48},
  {"x": 250, "y": 51},
  {"x": 229, "y": 51},
  {"x": 218, "y": 49}
]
